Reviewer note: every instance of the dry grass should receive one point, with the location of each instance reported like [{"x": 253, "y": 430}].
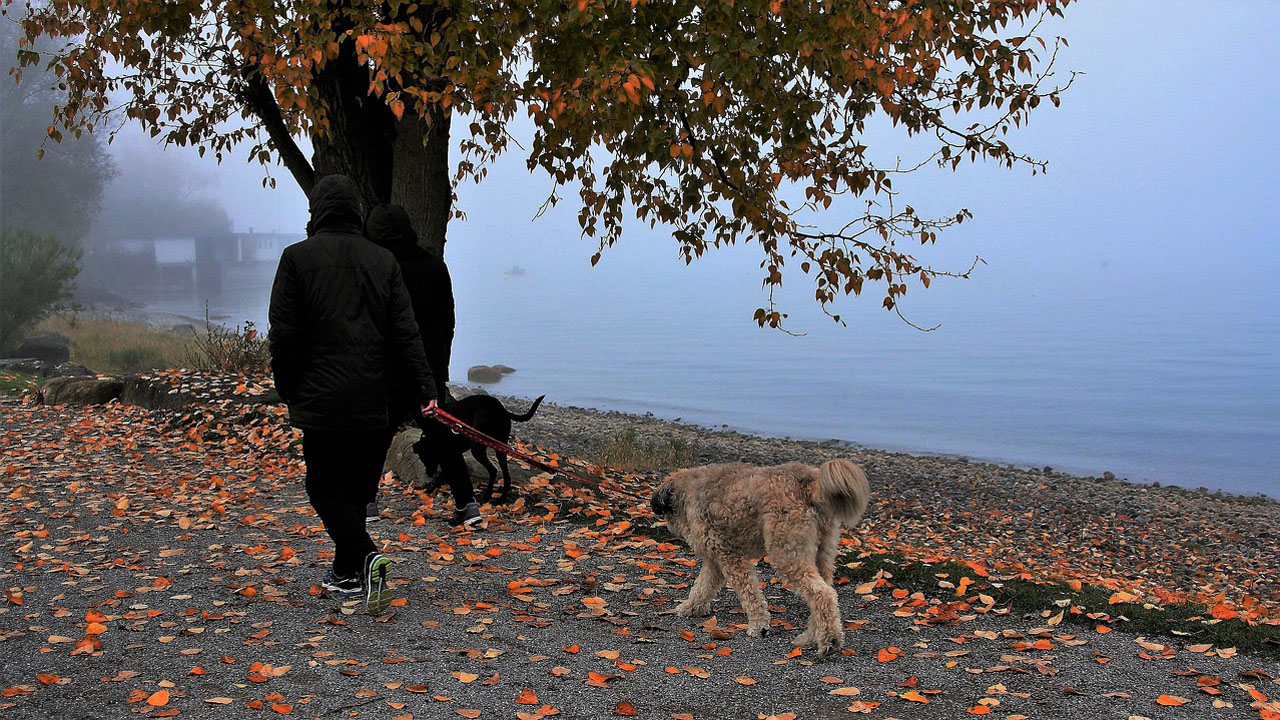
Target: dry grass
[
  {"x": 625, "y": 450},
  {"x": 110, "y": 346}
]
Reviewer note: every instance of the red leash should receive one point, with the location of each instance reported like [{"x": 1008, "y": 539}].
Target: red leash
[{"x": 475, "y": 435}]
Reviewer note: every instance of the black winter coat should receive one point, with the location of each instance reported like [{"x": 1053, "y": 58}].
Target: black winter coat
[
  {"x": 425, "y": 275},
  {"x": 341, "y": 321},
  {"x": 427, "y": 279}
]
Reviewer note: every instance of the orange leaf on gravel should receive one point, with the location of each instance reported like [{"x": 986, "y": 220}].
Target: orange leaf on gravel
[
  {"x": 914, "y": 696},
  {"x": 845, "y": 691},
  {"x": 158, "y": 698},
  {"x": 742, "y": 680},
  {"x": 527, "y": 697},
  {"x": 1172, "y": 700},
  {"x": 625, "y": 708},
  {"x": 468, "y": 713}
]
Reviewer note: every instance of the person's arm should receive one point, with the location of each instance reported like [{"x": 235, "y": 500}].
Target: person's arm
[
  {"x": 407, "y": 340},
  {"x": 285, "y": 336}
]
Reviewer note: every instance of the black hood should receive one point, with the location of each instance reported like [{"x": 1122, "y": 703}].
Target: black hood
[
  {"x": 389, "y": 225},
  {"x": 335, "y": 206}
]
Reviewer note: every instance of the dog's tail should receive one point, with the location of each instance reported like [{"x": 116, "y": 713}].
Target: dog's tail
[
  {"x": 842, "y": 486},
  {"x": 525, "y": 417}
]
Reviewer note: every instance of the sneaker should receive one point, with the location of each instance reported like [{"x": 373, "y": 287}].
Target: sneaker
[
  {"x": 372, "y": 513},
  {"x": 341, "y": 585},
  {"x": 468, "y": 516},
  {"x": 377, "y": 596}
]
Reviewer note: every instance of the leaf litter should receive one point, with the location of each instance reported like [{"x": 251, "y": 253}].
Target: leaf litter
[{"x": 164, "y": 562}]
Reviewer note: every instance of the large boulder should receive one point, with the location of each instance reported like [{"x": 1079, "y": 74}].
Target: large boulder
[
  {"x": 43, "y": 368},
  {"x": 151, "y": 395},
  {"x": 80, "y": 391},
  {"x": 483, "y": 374},
  {"x": 51, "y": 347}
]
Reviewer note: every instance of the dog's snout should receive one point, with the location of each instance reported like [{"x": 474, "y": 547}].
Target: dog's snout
[{"x": 661, "y": 502}]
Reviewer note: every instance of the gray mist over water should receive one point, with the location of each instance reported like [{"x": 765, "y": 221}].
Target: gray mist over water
[{"x": 1125, "y": 318}]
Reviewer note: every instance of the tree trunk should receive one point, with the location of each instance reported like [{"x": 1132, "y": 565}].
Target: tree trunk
[{"x": 420, "y": 175}]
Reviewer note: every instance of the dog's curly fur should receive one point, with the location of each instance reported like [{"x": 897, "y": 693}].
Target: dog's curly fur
[{"x": 731, "y": 514}]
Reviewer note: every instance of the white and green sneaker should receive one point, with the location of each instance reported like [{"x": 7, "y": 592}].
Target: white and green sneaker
[{"x": 377, "y": 596}]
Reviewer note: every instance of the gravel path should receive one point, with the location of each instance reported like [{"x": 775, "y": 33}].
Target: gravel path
[{"x": 189, "y": 553}]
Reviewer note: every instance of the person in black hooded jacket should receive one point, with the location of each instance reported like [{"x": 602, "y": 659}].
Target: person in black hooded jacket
[
  {"x": 427, "y": 279},
  {"x": 341, "y": 326}
]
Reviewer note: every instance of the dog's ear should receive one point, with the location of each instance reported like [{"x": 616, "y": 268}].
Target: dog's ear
[{"x": 662, "y": 500}]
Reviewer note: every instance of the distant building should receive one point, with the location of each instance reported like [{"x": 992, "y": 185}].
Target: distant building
[{"x": 192, "y": 262}]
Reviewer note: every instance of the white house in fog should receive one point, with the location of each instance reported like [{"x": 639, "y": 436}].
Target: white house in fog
[{"x": 198, "y": 262}]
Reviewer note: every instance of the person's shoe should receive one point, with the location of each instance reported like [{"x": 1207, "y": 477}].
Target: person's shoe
[
  {"x": 468, "y": 516},
  {"x": 341, "y": 585},
  {"x": 377, "y": 596},
  {"x": 372, "y": 513}
]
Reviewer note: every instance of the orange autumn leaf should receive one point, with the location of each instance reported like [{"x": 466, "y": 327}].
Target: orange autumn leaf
[
  {"x": 625, "y": 708},
  {"x": 527, "y": 697},
  {"x": 158, "y": 698},
  {"x": 1172, "y": 700},
  {"x": 914, "y": 696},
  {"x": 468, "y": 713},
  {"x": 979, "y": 710},
  {"x": 47, "y": 678}
]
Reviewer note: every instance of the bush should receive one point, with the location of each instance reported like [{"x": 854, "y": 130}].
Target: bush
[
  {"x": 35, "y": 277},
  {"x": 236, "y": 350}
]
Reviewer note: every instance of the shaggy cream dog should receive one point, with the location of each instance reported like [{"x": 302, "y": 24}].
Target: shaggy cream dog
[{"x": 732, "y": 514}]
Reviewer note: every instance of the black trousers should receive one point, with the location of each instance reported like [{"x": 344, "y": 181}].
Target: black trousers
[{"x": 343, "y": 469}]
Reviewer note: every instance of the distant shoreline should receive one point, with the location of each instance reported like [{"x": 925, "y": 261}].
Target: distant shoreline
[{"x": 577, "y": 427}]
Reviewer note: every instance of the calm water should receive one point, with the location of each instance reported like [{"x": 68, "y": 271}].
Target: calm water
[{"x": 1178, "y": 392}]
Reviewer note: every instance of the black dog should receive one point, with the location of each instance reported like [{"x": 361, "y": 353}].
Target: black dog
[{"x": 441, "y": 449}]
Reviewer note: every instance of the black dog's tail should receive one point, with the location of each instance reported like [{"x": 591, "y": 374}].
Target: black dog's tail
[{"x": 525, "y": 417}]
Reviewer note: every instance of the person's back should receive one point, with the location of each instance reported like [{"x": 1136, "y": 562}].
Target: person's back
[
  {"x": 427, "y": 279},
  {"x": 341, "y": 322}
]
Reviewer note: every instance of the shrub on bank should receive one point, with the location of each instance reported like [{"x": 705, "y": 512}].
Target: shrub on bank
[{"x": 239, "y": 350}]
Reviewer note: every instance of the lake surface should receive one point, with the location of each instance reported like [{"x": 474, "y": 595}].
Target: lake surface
[{"x": 1174, "y": 391}]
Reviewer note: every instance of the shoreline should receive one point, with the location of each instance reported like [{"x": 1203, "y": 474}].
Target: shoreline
[
  {"x": 1169, "y": 545},
  {"x": 722, "y": 437}
]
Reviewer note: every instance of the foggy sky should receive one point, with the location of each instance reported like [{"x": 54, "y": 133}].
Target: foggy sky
[{"x": 1161, "y": 184}]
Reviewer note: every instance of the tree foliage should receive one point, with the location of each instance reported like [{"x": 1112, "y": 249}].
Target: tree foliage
[
  {"x": 720, "y": 121},
  {"x": 35, "y": 275}
]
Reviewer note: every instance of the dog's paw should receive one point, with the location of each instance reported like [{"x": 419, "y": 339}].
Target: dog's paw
[
  {"x": 686, "y": 609},
  {"x": 760, "y": 629},
  {"x": 827, "y": 642}
]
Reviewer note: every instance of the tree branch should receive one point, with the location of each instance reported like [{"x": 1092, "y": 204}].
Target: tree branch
[{"x": 262, "y": 103}]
